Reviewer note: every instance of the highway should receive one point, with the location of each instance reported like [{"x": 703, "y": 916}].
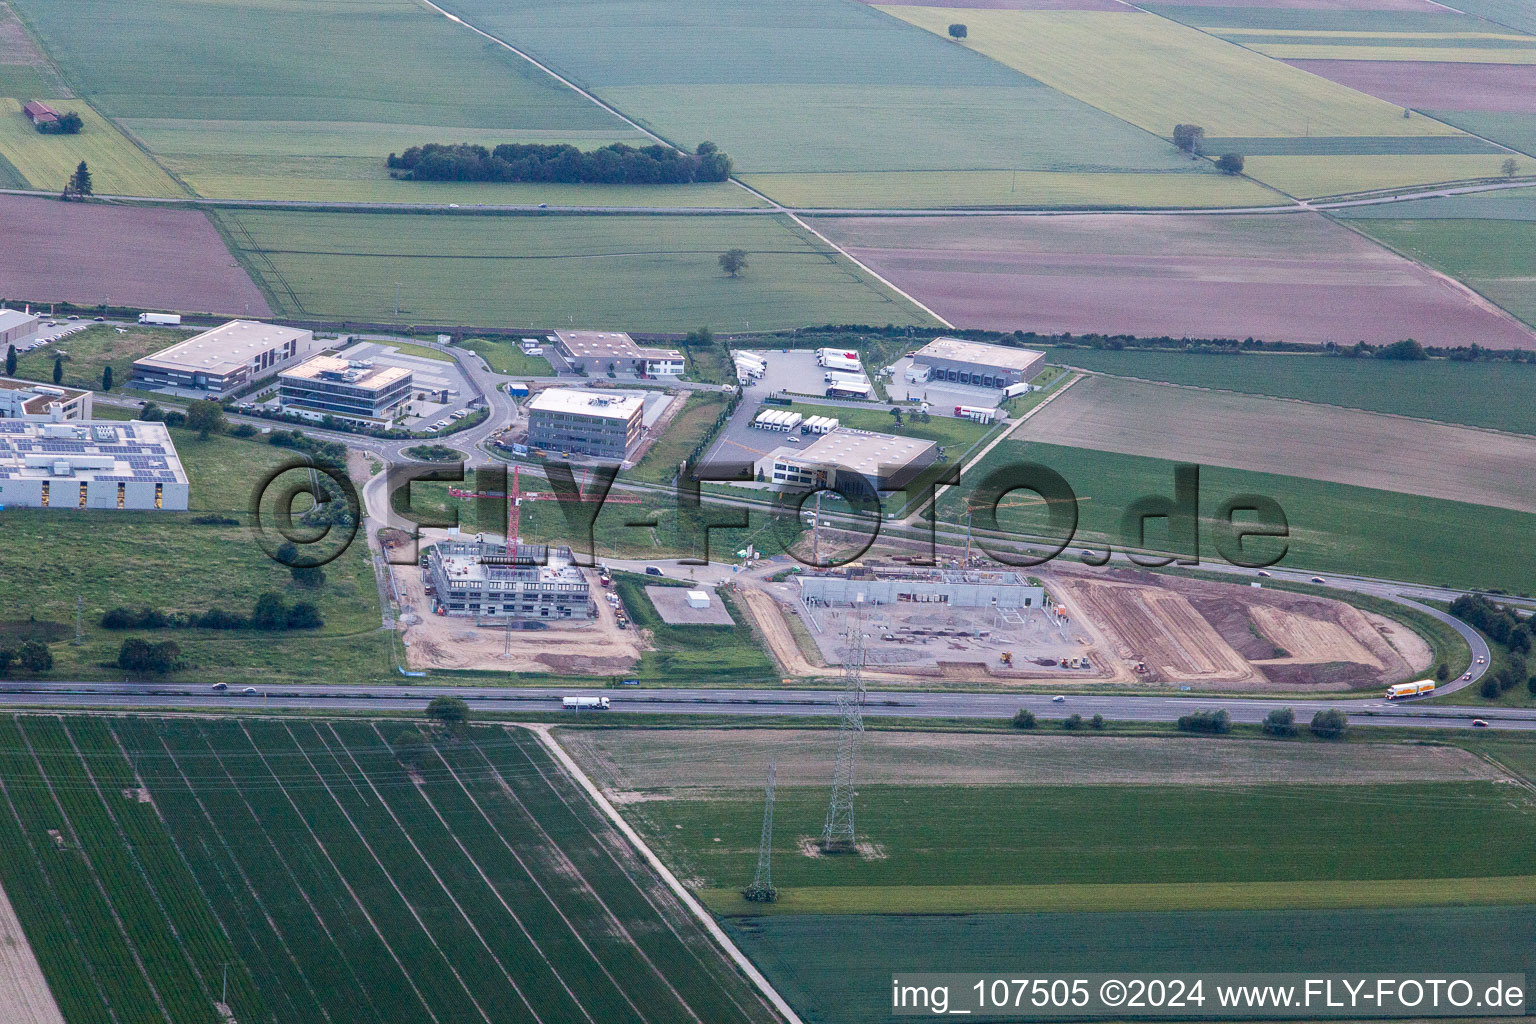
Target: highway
[{"x": 802, "y": 703}]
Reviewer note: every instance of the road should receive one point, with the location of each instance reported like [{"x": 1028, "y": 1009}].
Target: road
[{"x": 801, "y": 703}]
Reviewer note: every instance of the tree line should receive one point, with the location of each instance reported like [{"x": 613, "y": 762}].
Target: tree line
[
  {"x": 271, "y": 613},
  {"x": 1507, "y": 629},
  {"x": 563, "y": 163}
]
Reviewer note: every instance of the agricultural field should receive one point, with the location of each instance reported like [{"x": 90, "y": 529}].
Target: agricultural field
[
  {"x": 648, "y": 273},
  {"x": 290, "y": 101},
  {"x": 1241, "y": 431},
  {"x": 197, "y": 566},
  {"x": 1334, "y": 527},
  {"x": 134, "y": 256},
  {"x": 1292, "y": 277},
  {"x": 335, "y": 882},
  {"x": 835, "y": 104},
  {"x": 118, "y": 167},
  {"x": 1156, "y": 73},
  {"x": 1494, "y": 394}
]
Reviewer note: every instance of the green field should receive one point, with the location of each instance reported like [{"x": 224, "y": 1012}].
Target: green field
[
  {"x": 118, "y": 167},
  {"x": 839, "y": 968},
  {"x": 656, "y": 273},
  {"x": 503, "y": 356},
  {"x": 1517, "y": 131},
  {"x": 1010, "y": 189},
  {"x": 304, "y": 857},
  {"x": 94, "y": 349},
  {"x": 1496, "y": 258},
  {"x": 1333, "y": 527},
  {"x": 1499, "y": 394},
  {"x": 686, "y": 432},
  {"x": 689, "y": 653},
  {"x": 196, "y": 567}
]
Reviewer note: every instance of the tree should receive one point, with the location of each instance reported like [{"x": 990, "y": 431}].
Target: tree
[
  {"x": 733, "y": 261},
  {"x": 1024, "y": 719},
  {"x": 79, "y": 184},
  {"x": 1206, "y": 721},
  {"x": 106, "y": 378},
  {"x": 1096, "y": 722},
  {"x": 1230, "y": 163},
  {"x": 270, "y": 612},
  {"x": 35, "y": 657},
  {"x": 6, "y": 657},
  {"x": 206, "y": 417},
  {"x": 1510, "y": 167},
  {"x": 10, "y": 361},
  {"x": 1280, "y": 722},
  {"x": 1490, "y": 687},
  {"x": 448, "y": 713},
  {"x": 151, "y": 413},
  {"x": 304, "y": 615},
  {"x": 1188, "y": 137},
  {"x": 1330, "y": 724},
  {"x": 138, "y": 655},
  {"x": 58, "y": 369},
  {"x": 958, "y": 31},
  {"x": 1072, "y": 721}
]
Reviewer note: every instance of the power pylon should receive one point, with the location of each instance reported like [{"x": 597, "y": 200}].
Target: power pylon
[
  {"x": 838, "y": 835},
  {"x": 761, "y": 890}
]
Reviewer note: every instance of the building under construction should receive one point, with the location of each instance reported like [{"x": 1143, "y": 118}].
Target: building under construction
[
  {"x": 897, "y": 585},
  {"x": 488, "y": 582}
]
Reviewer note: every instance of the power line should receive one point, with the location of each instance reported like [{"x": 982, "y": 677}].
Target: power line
[
  {"x": 838, "y": 835},
  {"x": 761, "y": 890}
]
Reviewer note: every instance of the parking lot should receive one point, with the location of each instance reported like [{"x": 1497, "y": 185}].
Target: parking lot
[
  {"x": 942, "y": 397},
  {"x": 431, "y": 377},
  {"x": 61, "y": 329}
]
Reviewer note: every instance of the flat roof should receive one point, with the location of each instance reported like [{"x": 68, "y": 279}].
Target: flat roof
[
  {"x": 610, "y": 345},
  {"x": 101, "y": 450},
  {"x": 357, "y": 374},
  {"x": 978, "y": 352},
  {"x": 44, "y": 395},
  {"x": 10, "y": 318},
  {"x": 225, "y": 348},
  {"x": 860, "y": 451},
  {"x": 586, "y": 403}
]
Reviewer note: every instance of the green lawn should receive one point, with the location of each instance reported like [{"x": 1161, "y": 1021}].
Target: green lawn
[
  {"x": 192, "y": 567},
  {"x": 504, "y": 356},
  {"x": 1498, "y": 394},
  {"x": 686, "y": 432},
  {"x": 686, "y": 654},
  {"x": 1494, "y": 257},
  {"x": 1334, "y": 527},
  {"x": 657, "y": 273},
  {"x": 93, "y": 349},
  {"x": 946, "y": 430}
]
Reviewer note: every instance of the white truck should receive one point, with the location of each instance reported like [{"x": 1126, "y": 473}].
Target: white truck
[
  {"x": 161, "y": 319},
  {"x": 839, "y": 359},
  {"x": 584, "y": 703},
  {"x": 1414, "y": 689}
]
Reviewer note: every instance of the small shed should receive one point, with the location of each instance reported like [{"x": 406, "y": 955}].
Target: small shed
[
  {"x": 698, "y": 599},
  {"x": 40, "y": 113}
]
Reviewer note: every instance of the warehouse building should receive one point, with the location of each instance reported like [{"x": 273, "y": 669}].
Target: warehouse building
[
  {"x": 601, "y": 351},
  {"x": 587, "y": 422},
  {"x": 884, "y": 460},
  {"x": 90, "y": 465},
  {"x": 356, "y": 390},
  {"x": 42, "y": 403},
  {"x": 17, "y": 328},
  {"x": 971, "y": 362},
  {"x": 480, "y": 579},
  {"x": 957, "y": 589},
  {"x": 224, "y": 359}
]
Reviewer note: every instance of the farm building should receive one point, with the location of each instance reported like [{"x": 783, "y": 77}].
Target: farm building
[
  {"x": 971, "y": 362},
  {"x": 39, "y": 113},
  {"x": 884, "y": 460},
  {"x": 589, "y": 422},
  {"x": 224, "y": 359},
  {"x": 90, "y": 465},
  {"x": 17, "y": 328},
  {"x": 600, "y": 351},
  {"x": 357, "y": 391},
  {"x": 42, "y": 403},
  {"x": 957, "y": 589},
  {"x": 479, "y": 579}
]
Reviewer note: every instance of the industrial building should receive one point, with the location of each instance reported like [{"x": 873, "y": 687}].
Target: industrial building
[
  {"x": 884, "y": 460},
  {"x": 354, "y": 390},
  {"x": 90, "y": 465},
  {"x": 17, "y": 328},
  {"x": 601, "y": 351},
  {"x": 480, "y": 579},
  {"x": 971, "y": 362},
  {"x": 224, "y": 359},
  {"x": 957, "y": 589},
  {"x": 588, "y": 422},
  {"x": 42, "y": 403}
]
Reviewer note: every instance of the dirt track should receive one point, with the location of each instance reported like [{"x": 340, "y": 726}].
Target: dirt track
[{"x": 24, "y": 994}]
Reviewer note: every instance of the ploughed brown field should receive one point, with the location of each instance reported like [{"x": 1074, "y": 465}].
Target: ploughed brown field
[
  {"x": 1435, "y": 85},
  {"x": 1013, "y": 5},
  {"x": 123, "y": 255},
  {"x": 1271, "y": 435},
  {"x": 1319, "y": 5},
  {"x": 1294, "y": 277}
]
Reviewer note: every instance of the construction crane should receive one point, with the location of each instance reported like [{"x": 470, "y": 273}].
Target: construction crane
[{"x": 517, "y": 497}]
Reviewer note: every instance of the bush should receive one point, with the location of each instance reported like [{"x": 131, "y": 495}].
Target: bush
[
  {"x": 127, "y": 618},
  {"x": 138, "y": 655},
  {"x": 1330, "y": 724},
  {"x": 1230, "y": 163},
  {"x": 1206, "y": 721},
  {"x": 35, "y": 657},
  {"x": 304, "y": 615},
  {"x": 218, "y": 618},
  {"x": 1024, "y": 719},
  {"x": 7, "y": 656},
  {"x": 1073, "y": 721},
  {"x": 412, "y": 748},
  {"x": 1442, "y": 672},
  {"x": 243, "y": 430},
  {"x": 1280, "y": 722},
  {"x": 1096, "y": 722},
  {"x": 1490, "y": 687},
  {"x": 270, "y": 612},
  {"x": 175, "y": 419}
]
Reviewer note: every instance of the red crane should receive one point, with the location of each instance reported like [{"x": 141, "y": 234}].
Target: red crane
[{"x": 517, "y": 497}]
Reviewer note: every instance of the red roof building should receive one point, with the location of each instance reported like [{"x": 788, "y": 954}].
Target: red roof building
[{"x": 40, "y": 113}]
